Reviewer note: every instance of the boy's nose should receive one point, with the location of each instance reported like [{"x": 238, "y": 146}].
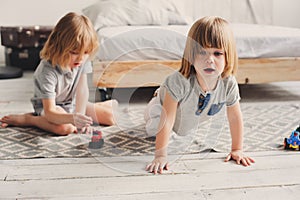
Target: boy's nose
[
  {"x": 209, "y": 59},
  {"x": 79, "y": 57}
]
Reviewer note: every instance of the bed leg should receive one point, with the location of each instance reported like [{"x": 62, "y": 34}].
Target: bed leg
[{"x": 104, "y": 94}]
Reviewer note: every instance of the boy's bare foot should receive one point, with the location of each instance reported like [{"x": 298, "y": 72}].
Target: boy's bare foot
[{"x": 15, "y": 120}]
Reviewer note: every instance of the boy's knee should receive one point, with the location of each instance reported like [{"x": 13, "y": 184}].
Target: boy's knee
[
  {"x": 152, "y": 126},
  {"x": 65, "y": 129},
  {"x": 110, "y": 118}
]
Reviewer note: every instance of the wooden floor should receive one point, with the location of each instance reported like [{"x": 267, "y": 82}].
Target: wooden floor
[{"x": 275, "y": 175}]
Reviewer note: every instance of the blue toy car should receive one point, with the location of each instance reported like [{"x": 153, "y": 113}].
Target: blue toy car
[{"x": 293, "y": 142}]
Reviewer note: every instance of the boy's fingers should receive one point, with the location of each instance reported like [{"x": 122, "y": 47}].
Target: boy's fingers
[
  {"x": 228, "y": 158},
  {"x": 148, "y": 167},
  {"x": 238, "y": 161},
  {"x": 251, "y": 160},
  {"x": 151, "y": 167},
  {"x": 244, "y": 161},
  {"x": 156, "y": 167},
  {"x": 167, "y": 166},
  {"x": 4, "y": 125},
  {"x": 161, "y": 169}
]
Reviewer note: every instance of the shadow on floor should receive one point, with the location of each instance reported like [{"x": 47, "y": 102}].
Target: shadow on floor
[
  {"x": 288, "y": 91},
  {"x": 272, "y": 92}
]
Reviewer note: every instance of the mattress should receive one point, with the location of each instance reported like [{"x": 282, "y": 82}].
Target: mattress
[{"x": 167, "y": 42}]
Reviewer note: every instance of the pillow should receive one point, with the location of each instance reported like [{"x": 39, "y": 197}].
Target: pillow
[
  {"x": 176, "y": 19},
  {"x": 133, "y": 12},
  {"x": 106, "y": 13}
]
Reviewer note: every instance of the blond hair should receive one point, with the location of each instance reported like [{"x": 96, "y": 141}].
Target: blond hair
[
  {"x": 210, "y": 32},
  {"x": 73, "y": 33}
]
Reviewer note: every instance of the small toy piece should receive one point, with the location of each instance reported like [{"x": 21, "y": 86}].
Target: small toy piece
[
  {"x": 97, "y": 140},
  {"x": 293, "y": 142}
]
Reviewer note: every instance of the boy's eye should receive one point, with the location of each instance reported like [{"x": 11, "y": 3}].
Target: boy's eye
[
  {"x": 73, "y": 52},
  {"x": 218, "y": 53},
  {"x": 76, "y": 53}
]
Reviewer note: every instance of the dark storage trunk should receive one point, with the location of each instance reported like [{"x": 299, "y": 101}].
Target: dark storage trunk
[
  {"x": 23, "y": 45},
  {"x": 25, "y": 58},
  {"x": 22, "y": 37}
]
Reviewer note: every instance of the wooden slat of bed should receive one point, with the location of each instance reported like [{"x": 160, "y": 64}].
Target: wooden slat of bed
[
  {"x": 266, "y": 70},
  {"x": 122, "y": 74}
]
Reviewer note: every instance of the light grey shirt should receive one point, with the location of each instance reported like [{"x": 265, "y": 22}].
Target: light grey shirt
[
  {"x": 56, "y": 83},
  {"x": 186, "y": 92}
]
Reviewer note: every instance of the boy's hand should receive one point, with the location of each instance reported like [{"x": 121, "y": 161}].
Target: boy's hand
[
  {"x": 239, "y": 157},
  {"x": 87, "y": 130},
  {"x": 160, "y": 162},
  {"x": 81, "y": 120},
  {"x": 158, "y": 165}
]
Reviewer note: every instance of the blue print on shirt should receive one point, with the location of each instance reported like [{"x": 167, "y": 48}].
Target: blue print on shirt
[{"x": 215, "y": 108}]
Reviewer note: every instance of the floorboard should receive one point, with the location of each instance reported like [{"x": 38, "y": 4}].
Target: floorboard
[
  {"x": 194, "y": 177},
  {"x": 275, "y": 175}
]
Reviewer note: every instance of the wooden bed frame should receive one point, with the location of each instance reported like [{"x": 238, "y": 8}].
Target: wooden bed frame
[{"x": 149, "y": 73}]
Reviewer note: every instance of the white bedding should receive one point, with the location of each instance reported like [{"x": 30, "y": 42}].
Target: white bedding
[
  {"x": 167, "y": 42},
  {"x": 108, "y": 13}
]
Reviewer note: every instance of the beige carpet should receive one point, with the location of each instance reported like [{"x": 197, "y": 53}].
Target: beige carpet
[{"x": 266, "y": 125}]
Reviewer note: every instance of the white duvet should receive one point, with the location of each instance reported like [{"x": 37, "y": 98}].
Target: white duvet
[
  {"x": 108, "y": 13},
  {"x": 167, "y": 42},
  {"x": 155, "y": 30}
]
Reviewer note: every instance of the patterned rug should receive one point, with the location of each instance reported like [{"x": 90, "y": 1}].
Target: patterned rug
[{"x": 266, "y": 125}]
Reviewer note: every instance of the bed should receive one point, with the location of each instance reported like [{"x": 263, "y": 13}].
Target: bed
[{"x": 141, "y": 51}]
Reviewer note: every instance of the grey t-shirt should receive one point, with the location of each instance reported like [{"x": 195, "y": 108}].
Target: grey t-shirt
[
  {"x": 56, "y": 83},
  {"x": 186, "y": 92}
]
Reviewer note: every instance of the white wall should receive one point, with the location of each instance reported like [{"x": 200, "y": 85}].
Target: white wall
[
  {"x": 48, "y": 12},
  {"x": 36, "y": 12},
  {"x": 286, "y": 13},
  {"x": 274, "y": 12},
  {"x": 236, "y": 11}
]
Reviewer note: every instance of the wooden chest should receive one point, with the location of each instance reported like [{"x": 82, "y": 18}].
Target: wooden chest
[{"x": 23, "y": 45}]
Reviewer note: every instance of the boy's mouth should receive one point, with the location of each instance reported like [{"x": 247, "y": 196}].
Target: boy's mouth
[{"x": 209, "y": 70}]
